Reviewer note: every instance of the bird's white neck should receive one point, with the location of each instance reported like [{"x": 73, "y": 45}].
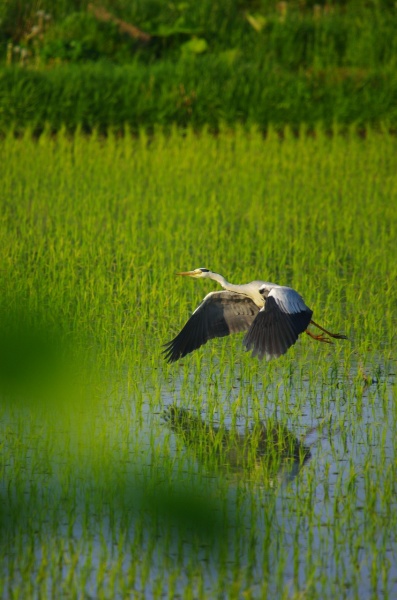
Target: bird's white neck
[
  {"x": 249, "y": 289},
  {"x": 219, "y": 278},
  {"x": 231, "y": 287}
]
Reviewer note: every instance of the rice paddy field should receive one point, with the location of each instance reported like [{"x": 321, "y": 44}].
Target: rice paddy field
[{"x": 218, "y": 476}]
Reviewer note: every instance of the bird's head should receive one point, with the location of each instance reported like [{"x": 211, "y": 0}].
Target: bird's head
[{"x": 197, "y": 273}]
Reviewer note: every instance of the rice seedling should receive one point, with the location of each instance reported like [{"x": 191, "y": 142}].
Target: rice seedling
[{"x": 218, "y": 476}]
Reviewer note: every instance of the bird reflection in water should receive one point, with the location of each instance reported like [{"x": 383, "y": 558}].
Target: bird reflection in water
[{"x": 267, "y": 452}]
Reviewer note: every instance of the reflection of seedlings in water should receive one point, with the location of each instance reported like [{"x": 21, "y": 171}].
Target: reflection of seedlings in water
[{"x": 266, "y": 448}]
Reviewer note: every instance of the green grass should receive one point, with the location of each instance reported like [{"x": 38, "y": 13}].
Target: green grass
[
  {"x": 101, "y": 494},
  {"x": 204, "y": 92},
  {"x": 254, "y": 62},
  {"x": 292, "y": 36}
]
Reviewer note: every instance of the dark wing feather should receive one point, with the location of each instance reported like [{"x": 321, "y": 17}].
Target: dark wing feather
[
  {"x": 219, "y": 314},
  {"x": 277, "y": 326}
]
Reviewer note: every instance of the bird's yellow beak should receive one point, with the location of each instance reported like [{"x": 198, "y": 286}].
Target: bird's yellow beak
[{"x": 188, "y": 273}]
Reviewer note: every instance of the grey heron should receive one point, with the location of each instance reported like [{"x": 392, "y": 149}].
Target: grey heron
[{"x": 272, "y": 315}]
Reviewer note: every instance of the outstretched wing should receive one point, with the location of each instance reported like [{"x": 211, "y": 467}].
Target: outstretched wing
[
  {"x": 278, "y": 324},
  {"x": 219, "y": 314}
]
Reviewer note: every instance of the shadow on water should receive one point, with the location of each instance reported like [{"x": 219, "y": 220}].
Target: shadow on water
[{"x": 267, "y": 451}]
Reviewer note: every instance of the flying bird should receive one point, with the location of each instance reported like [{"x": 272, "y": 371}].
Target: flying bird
[{"x": 272, "y": 315}]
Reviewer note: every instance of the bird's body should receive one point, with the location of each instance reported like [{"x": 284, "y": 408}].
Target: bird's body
[{"x": 273, "y": 316}]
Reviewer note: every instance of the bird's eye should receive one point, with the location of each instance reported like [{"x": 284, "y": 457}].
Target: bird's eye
[{"x": 204, "y": 270}]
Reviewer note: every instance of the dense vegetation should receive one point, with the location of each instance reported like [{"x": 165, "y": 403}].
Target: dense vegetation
[{"x": 148, "y": 63}]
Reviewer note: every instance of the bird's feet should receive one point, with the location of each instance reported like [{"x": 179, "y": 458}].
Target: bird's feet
[
  {"x": 338, "y": 336},
  {"x": 320, "y": 338}
]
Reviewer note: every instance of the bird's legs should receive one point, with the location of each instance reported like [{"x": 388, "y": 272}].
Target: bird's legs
[
  {"x": 338, "y": 336},
  {"x": 321, "y": 337}
]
